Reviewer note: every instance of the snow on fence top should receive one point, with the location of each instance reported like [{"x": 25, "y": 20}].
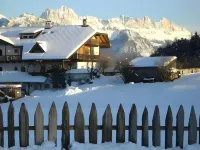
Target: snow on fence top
[
  {"x": 32, "y": 30},
  {"x": 152, "y": 61},
  {"x": 19, "y": 77}
]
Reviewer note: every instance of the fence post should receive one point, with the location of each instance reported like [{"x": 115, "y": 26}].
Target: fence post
[
  {"x": 52, "y": 131},
  {"x": 107, "y": 125},
  {"x": 145, "y": 133},
  {"x": 120, "y": 136},
  {"x": 180, "y": 127},
  {"x": 168, "y": 128},
  {"x": 39, "y": 125},
  {"x": 65, "y": 127},
  {"x": 156, "y": 127},
  {"x": 79, "y": 124},
  {"x": 133, "y": 124},
  {"x": 192, "y": 127},
  {"x": 93, "y": 125},
  {"x": 1, "y": 129},
  {"x": 11, "y": 131},
  {"x": 23, "y": 126}
]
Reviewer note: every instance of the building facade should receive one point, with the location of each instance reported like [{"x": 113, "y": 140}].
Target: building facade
[{"x": 36, "y": 50}]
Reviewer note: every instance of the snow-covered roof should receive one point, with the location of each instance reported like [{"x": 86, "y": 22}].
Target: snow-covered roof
[
  {"x": 10, "y": 85},
  {"x": 152, "y": 61},
  {"x": 19, "y": 77},
  {"x": 78, "y": 71},
  {"x": 6, "y": 39},
  {"x": 60, "y": 41},
  {"x": 32, "y": 30}
]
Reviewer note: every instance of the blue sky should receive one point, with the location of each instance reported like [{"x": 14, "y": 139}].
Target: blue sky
[{"x": 182, "y": 12}]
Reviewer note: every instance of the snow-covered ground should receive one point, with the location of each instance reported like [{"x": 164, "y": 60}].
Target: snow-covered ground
[{"x": 111, "y": 90}]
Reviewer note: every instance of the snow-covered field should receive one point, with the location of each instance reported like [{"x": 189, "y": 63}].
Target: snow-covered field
[{"x": 111, "y": 90}]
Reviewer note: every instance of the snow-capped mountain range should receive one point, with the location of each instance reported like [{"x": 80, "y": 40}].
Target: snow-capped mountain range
[{"x": 128, "y": 35}]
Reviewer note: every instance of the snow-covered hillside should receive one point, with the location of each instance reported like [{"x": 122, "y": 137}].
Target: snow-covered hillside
[
  {"x": 148, "y": 34},
  {"x": 111, "y": 90}
]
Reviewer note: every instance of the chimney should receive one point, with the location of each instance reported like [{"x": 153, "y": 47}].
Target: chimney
[
  {"x": 48, "y": 25},
  {"x": 85, "y": 23}
]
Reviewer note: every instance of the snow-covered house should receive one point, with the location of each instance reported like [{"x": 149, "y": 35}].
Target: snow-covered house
[
  {"x": 148, "y": 67},
  {"x": 36, "y": 49},
  {"x": 17, "y": 84}
]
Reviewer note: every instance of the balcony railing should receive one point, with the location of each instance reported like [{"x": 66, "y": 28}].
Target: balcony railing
[
  {"x": 85, "y": 57},
  {"x": 10, "y": 58}
]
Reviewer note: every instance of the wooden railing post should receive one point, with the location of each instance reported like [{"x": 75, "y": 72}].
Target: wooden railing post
[
  {"x": 145, "y": 132},
  {"x": 11, "y": 131},
  {"x": 65, "y": 127},
  {"x": 23, "y": 126},
  {"x": 1, "y": 129},
  {"x": 156, "y": 128},
  {"x": 120, "y": 136},
  {"x": 93, "y": 125},
  {"x": 39, "y": 125},
  {"x": 133, "y": 124},
  {"x": 79, "y": 124},
  {"x": 192, "y": 127},
  {"x": 107, "y": 125},
  {"x": 52, "y": 132},
  {"x": 180, "y": 127},
  {"x": 168, "y": 129}
]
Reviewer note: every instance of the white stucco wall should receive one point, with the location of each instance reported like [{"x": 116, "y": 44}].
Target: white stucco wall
[{"x": 11, "y": 66}]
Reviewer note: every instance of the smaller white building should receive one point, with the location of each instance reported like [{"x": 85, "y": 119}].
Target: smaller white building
[{"x": 22, "y": 81}]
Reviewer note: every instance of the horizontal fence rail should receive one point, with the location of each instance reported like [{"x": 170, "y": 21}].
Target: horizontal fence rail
[{"x": 107, "y": 126}]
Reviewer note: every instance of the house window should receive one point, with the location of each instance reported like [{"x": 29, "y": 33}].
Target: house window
[
  {"x": 25, "y": 37},
  {"x": 16, "y": 68},
  {"x": 1, "y": 52},
  {"x": 1, "y": 69},
  {"x": 16, "y": 50},
  {"x": 30, "y": 37},
  {"x": 23, "y": 69}
]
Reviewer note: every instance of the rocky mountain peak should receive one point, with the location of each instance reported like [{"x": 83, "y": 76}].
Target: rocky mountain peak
[{"x": 62, "y": 13}]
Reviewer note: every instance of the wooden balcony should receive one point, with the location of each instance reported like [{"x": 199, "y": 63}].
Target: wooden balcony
[
  {"x": 92, "y": 42},
  {"x": 82, "y": 57}
]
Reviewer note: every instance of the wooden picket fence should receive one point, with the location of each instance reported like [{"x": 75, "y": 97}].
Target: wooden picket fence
[{"x": 79, "y": 126}]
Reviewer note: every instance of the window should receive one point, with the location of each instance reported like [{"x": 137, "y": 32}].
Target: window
[
  {"x": 23, "y": 69},
  {"x": 30, "y": 37},
  {"x": 16, "y": 68},
  {"x": 16, "y": 50},
  {"x": 1, "y": 69},
  {"x": 25, "y": 37},
  {"x": 1, "y": 52}
]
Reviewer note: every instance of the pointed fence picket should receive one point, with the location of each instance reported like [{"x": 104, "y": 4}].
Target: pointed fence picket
[
  {"x": 79, "y": 125},
  {"x": 65, "y": 127},
  {"x": 107, "y": 126},
  {"x": 93, "y": 125},
  {"x": 168, "y": 129},
  {"x": 39, "y": 125},
  {"x": 11, "y": 125}
]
